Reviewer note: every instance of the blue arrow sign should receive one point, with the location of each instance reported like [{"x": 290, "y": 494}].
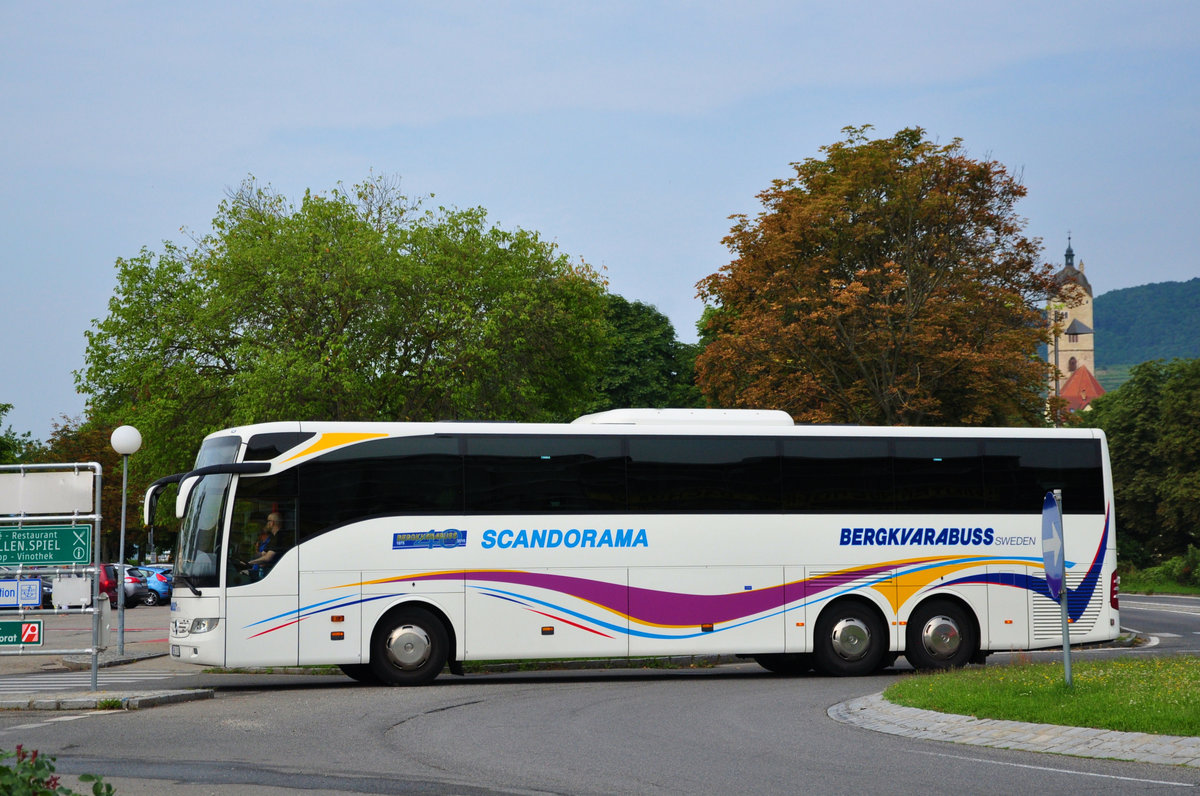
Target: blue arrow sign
[{"x": 1052, "y": 545}]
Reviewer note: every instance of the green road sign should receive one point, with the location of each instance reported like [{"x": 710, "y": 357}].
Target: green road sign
[
  {"x": 21, "y": 634},
  {"x": 45, "y": 544}
]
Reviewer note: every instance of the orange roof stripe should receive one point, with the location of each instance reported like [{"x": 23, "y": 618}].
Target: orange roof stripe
[{"x": 334, "y": 439}]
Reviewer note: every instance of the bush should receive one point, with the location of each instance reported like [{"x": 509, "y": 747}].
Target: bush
[
  {"x": 33, "y": 775},
  {"x": 1174, "y": 573}
]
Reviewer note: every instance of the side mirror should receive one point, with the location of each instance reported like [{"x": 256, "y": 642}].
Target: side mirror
[{"x": 185, "y": 492}]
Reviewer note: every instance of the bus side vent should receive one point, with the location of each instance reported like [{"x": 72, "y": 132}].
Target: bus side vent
[{"x": 1047, "y": 617}]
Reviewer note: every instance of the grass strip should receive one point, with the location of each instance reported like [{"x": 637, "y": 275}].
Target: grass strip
[{"x": 1142, "y": 694}]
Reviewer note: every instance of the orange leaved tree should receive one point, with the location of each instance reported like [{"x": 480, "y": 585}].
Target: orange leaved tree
[{"x": 888, "y": 282}]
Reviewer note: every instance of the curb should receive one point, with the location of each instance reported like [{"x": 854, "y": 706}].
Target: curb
[
  {"x": 91, "y": 700},
  {"x": 107, "y": 658},
  {"x": 877, "y": 714}
]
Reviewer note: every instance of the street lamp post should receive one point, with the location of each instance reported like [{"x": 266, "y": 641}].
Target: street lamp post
[{"x": 125, "y": 440}]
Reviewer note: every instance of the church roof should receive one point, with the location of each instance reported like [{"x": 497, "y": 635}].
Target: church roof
[
  {"x": 1081, "y": 389},
  {"x": 1070, "y": 274},
  {"x": 1078, "y": 327}
]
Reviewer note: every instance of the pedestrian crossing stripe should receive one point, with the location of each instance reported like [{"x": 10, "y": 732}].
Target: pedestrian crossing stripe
[{"x": 62, "y": 681}]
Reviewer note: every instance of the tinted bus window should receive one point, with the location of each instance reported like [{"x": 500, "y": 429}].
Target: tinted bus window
[
  {"x": 392, "y": 476},
  {"x": 544, "y": 474},
  {"x": 938, "y": 475},
  {"x": 261, "y": 447},
  {"x": 1020, "y": 472},
  {"x": 698, "y": 474},
  {"x": 837, "y": 474}
]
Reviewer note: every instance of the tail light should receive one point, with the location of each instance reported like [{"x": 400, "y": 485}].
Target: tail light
[
  {"x": 160, "y": 577},
  {"x": 1114, "y": 592}
]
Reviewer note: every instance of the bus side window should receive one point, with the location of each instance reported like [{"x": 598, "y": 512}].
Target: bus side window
[
  {"x": 1019, "y": 472},
  {"x": 938, "y": 475},
  {"x": 839, "y": 474},
  {"x": 703, "y": 474}
]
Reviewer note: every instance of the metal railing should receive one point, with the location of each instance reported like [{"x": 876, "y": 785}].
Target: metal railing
[{"x": 22, "y": 509}]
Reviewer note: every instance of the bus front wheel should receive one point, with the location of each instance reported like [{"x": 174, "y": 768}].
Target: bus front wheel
[
  {"x": 940, "y": 635},
  {"x": 410, "y": 647},
  {"x": 851, "y": 640}
]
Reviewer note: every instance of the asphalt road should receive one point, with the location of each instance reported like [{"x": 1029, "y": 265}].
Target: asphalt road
[{"x": 724, "y": 729}]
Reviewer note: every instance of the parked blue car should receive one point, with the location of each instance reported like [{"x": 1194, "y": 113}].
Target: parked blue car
[{"x": 160, "y": 582}]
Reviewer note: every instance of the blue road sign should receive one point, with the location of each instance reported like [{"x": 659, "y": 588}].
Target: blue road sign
[
  {"x": 1052, "y": 545},
  {"x": 23, "y": 593}
]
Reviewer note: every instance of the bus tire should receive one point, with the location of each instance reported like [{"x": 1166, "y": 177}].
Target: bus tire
[
  {"x": 788, "y": 664},
  {"x": 851, "y": 640},
  {"x": 409, "y": 647},
  {"x": 940, "y": 635}
]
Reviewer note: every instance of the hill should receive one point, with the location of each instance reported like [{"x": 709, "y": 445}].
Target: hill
[{"x": 1136, "y": 324}]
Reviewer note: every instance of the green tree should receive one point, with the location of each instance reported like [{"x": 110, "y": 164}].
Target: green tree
[
  {"x": 353, "y": 306},
  {"x": 80, "y": 440},
  {"x": 15, "y": 448},
  {"x": 646, "y": 366},
  {"x": 1153, "y": 427},
  {"x": 887, "y": 282}
]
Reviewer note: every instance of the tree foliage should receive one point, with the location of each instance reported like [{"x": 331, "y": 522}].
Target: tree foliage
[
  {"x": 357, "y": 305},
  {"x": 646, "y": 365},
  {"x": 15, "y": 448},
  {"x": 887, "y": 282},
  {"x": 77, "y": 440},
  {"x": 1156, "y": 321},
  {"x": 1153, "y": 427}
]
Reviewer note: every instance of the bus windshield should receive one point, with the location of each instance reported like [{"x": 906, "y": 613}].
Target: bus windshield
[{"x": 200, "y": 534}]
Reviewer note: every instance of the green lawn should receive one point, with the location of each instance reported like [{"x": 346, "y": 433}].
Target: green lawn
[{"x": 1133, "y": 694}]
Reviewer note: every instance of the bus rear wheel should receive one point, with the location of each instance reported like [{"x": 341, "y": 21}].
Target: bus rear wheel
[
  {"x": 850, "y": 640},
  {"x": 409, "y": 647},
  {"x": 940, "y": 635}
]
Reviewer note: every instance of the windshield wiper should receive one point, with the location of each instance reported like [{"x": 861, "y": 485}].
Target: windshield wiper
[{"x": 188, "y": 583}]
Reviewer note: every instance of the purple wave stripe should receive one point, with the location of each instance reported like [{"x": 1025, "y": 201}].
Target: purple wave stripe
[{"x": 663, "y": 608}]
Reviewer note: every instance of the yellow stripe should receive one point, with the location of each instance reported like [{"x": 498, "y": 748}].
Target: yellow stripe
[{"x": 333, "y": 440}]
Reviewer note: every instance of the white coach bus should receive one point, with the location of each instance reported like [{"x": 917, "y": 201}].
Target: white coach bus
[{"x": 404, "y": 548}]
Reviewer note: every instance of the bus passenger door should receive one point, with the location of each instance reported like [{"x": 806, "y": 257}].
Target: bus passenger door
[{"x": 262, "y": 573}]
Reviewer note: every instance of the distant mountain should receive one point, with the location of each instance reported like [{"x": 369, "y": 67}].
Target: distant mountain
[{"x": 1136, "y": 324}]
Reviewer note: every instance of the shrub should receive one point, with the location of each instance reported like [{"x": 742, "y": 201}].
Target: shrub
[{"x": 32, "y": 774}]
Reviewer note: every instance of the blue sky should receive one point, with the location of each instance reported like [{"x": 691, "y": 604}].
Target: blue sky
[{"x": 626, "y": 132}]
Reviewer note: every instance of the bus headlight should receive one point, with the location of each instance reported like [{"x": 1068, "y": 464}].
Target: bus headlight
[{"x": 204, "y": 624}]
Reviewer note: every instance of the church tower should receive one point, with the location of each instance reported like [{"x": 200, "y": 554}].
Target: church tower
[{"x": 1076, "y": 342}]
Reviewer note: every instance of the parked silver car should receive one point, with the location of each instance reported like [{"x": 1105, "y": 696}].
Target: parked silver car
[{"x": 135, "y": 585}]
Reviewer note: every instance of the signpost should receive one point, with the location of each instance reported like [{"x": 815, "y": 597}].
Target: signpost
[
  {"x": 43, "y": 508},
  {"x": 40, "y": 545},
  {"x": 21, "y": 633},
  {"x": 1054, "y": 558}
]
